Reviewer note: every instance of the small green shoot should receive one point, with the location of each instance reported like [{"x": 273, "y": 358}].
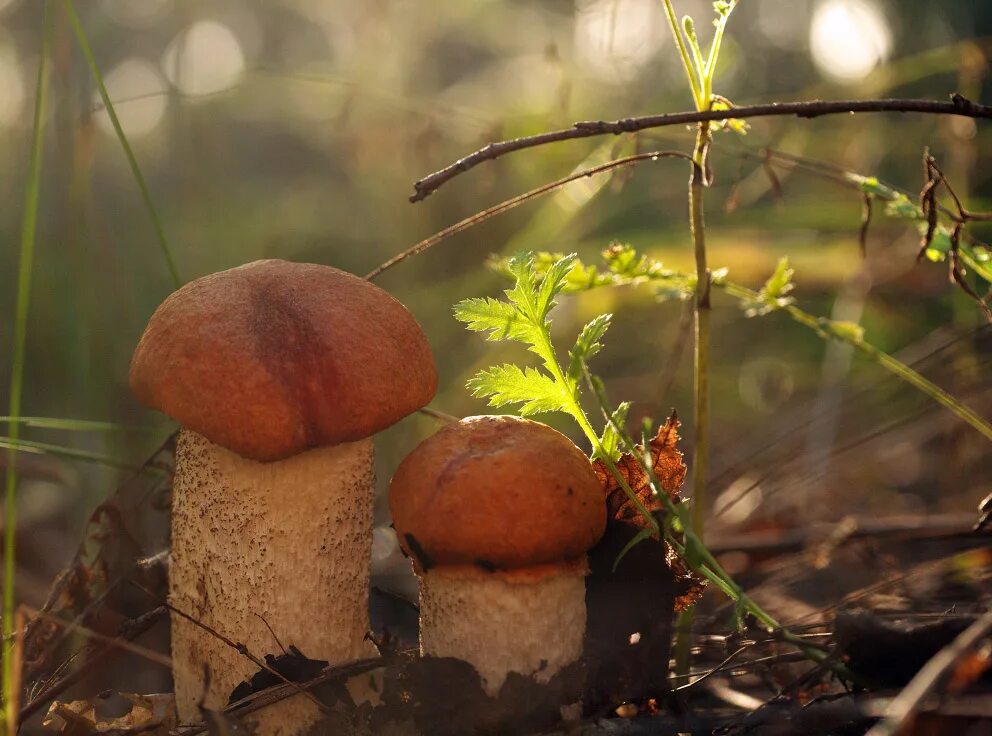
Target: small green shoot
[
  {"x": 524, "y": 317},
  {"x": 24, "y": 274},
  {"x": 775, "y": 299}
]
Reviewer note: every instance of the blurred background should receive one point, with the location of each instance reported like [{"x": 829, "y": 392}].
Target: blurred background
[{"x": 295, "y": 129}]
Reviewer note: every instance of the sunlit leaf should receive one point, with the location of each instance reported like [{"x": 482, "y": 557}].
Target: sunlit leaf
[
  {"x": 534, "y": 391},
  {"x": 774, "y": 294},
  {"x": 587, "y": 345},
  {"x": 610, "y": 439},
  {"x": 502, "y": 320}
]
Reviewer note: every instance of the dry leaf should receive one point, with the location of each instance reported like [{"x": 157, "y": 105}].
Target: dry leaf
[
  {"x": 668, "y": 468},
  {"x": 149, "y": 714}
]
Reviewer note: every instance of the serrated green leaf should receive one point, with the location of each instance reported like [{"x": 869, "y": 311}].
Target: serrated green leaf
[
  {"x": 523, "y": 294},
  {"x": 509, "y": 384},
  {"x": 552, "y": 284},
  {"x": 610, "y": 440},
  {"x": 774, "y": 294},
  {"x": 780, "y": 282},
  {"x": 587, "y": 344},
  {"x": 500, "y": 319}
]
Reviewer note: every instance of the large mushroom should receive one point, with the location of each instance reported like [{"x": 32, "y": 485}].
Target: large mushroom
[
  {"x": 497, "y": 514},
  {"x": 279, "y": 374}
]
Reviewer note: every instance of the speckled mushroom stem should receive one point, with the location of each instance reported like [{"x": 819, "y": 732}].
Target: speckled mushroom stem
[
  {"x": 530, "y": 621},
  {"x": 288, "y": 542}
]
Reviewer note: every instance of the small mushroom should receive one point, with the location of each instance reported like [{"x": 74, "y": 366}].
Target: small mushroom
[
  {"x": 279, "y": 374},
  {"x": 497, "y": 514}
]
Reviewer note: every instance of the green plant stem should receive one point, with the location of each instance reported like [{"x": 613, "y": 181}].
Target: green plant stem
[
  {"x": 132, "y": 161},
  {"x": 687, "y": 63},
  {"x": 701, "y": 375},
  {"x": 701, "y": 365},
  {"x": 708, "y": 566},
  {"x": 899, "y": 369},
  {"x": 25, "y": 267}
]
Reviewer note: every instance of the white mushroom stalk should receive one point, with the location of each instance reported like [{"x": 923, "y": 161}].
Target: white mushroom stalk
[
  {"x": 504, "y": 622},
  {"x": 266, "y": 550},
  {"x": 497, "y": 514},
  {"x": 279, "y": 373}
]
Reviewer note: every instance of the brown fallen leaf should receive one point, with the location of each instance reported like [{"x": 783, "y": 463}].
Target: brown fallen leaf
[
  {"x": 154, "y": 715},
  {"x": 668, "y": 466}
]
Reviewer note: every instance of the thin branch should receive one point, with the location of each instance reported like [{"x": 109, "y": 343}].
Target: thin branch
[
  {"x": 246, "y": 653},
  {"x": 514, "y": 202},
  {"x": 118, "y": 641},
  {"x": 264, "y": 698},
  {"x": 865, "y": 223},
  {"x": 928, "y": 679},
  {"x": 957, "y": 105},
  {"x": 130, "y": 630}
]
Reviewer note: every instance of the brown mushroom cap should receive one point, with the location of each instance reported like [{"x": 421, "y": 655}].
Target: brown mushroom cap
[
  {"x": 272, "y": 358},
  {"x": 498, "y": 492}
]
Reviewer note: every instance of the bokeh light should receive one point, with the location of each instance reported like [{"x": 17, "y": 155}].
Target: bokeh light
[
  {"x": 138, "y": 92},
  {"x": 204, "y": 59},
  {"x": 614, "y": 39},
  {"x": 849, "y": 38}
]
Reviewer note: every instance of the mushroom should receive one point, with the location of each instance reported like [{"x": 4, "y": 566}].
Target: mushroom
[
  {"x": 279, "y": 374},
  {"x": 497, "y": 513}
]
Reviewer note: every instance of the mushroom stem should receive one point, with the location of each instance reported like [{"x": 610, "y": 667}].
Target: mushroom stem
[
  {"x": 530, "y": 621},
  {"x": 283, "y": 545}
]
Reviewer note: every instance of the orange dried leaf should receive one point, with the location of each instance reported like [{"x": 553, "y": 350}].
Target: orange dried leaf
[{"x": 668, "y": 466}]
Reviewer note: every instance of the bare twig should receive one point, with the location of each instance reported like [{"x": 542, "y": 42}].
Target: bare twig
[
  {"x": 246, "y": 653},
  {"x": 264, "y": 698},
  {"x": 865, "y": 223},
  {"x": 514, "y": 202},
  {"x": 130, "y": 630},
  {"x": 957, "y": 105},
  {"x": 933, "y": 674},
  {"x": 121, "y": 643}
]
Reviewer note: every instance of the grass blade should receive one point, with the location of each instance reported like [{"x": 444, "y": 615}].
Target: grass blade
[
  {"x": 70, "y": 453},
  {"x": 25, "y": 266},
  {"x": 75, "y": 425},
  {"x": 139, "y": 179}
]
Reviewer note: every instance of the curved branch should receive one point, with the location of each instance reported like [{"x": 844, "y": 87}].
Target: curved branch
[
  {"x": 518, "y": 200},
  {"x": 957, "y": 105}
]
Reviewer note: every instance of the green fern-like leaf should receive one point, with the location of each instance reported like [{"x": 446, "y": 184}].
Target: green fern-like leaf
[
  {"x": 502, "y": 320},
  {"x": 534, "y": 391},
  {"x": 610, "y": 441},
  {"x": 586, "y": 346}
]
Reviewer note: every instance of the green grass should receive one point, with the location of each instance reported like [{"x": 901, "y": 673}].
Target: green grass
[
  {"x": 25, "y": 266},
  {"x": 139, "y": 179}
]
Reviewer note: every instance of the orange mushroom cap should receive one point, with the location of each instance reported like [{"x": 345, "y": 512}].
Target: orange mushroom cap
[
  {"x": 498, "y": 492},
  {"x": 272, "y": 358}
]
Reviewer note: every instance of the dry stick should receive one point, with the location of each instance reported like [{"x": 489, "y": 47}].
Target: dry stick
[
  {"x": 933, "y": 674},
  {"x": 515, "y": 201},
  {"x": 134, "y": 627},
  {"x": 264, "y": 698},
  {"x": 958, "y": 105},
  {"x": 244, "y": 652},
  {"x": 149, "y": 654}
]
